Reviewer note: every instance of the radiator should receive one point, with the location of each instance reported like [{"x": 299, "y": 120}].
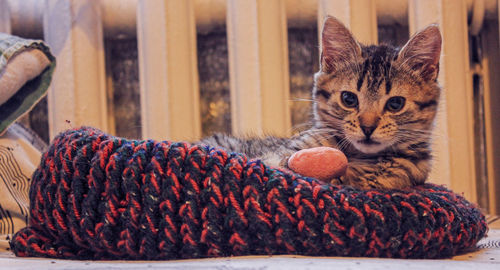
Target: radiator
[{"x": 467, "y": 127}]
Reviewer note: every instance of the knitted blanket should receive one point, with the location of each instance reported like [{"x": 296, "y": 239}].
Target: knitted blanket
[{"x": 95, "y": 196}]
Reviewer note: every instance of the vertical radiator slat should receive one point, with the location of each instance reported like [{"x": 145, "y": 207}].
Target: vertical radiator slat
[
  {"x": 168, "y": 71},
  {"x": 453, "y": 144},
  {"x": 274, "y": 67},
  {"x": 4, "y": 17},
  {"x": 77, "y": 93},
  {"x": 258, "y": 67},
  {"x": 490, "y": 66},
  {"x": 360, "y": 16}
]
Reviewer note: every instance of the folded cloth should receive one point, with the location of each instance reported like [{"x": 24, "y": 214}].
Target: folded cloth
[
  {"x": 26, "y": 68},
  {"x": 20, "y": 152}
]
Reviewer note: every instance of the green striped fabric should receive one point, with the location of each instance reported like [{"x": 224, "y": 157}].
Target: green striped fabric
[{"x": 31, "y": 92}]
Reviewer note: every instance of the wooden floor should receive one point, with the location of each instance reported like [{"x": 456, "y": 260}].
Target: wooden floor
[{"x": 486, "y": 257}]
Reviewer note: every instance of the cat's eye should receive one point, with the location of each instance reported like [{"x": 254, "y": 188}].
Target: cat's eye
[
  {"x": 349, "y": 99},
  {"x": 395, "y": 104}
]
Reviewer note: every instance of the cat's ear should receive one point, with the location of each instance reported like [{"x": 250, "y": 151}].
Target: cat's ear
[
  {"x": 421, "y": 53},
  {"x": 338, "y": 46}
]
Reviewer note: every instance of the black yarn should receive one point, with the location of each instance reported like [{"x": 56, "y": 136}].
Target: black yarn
[{"x": 95, "y": 196}]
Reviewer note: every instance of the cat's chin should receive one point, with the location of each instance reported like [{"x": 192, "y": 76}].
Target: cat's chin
[{"x": 369, "y": 147}]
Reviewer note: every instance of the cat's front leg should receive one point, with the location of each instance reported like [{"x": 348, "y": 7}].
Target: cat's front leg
[
  {"x": 277, "y": 159},
  {"x": 384, "y": 173}
]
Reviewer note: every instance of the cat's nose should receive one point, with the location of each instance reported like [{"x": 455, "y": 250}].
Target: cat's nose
[
  {"x": 368, "y": 121},
  {"x": 368, "y": 130}
]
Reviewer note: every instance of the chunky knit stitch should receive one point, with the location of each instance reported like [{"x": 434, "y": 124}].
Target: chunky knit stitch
[{"x": 95, "y": 196}]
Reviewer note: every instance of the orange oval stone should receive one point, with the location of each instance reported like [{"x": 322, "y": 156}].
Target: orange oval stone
[{"x": 322, "y": 163}]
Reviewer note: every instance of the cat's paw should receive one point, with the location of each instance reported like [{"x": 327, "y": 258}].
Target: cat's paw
[
  {"x": 335, "y": 181},
  {"x": 322, "y": 163}
]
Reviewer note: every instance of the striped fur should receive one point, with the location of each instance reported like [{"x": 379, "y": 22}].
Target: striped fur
[{"x": 386, "y": 148}]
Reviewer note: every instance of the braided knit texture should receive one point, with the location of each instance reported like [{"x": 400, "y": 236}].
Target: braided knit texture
[{"x": 95, "y": 196}]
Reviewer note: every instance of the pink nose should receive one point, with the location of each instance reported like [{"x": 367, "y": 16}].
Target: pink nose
[
  {"x": 368, "y": 130},
  {"x": 368, "y": 122}
]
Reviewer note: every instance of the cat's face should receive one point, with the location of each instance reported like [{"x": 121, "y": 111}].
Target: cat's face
[{"x": 377, "y": 97}]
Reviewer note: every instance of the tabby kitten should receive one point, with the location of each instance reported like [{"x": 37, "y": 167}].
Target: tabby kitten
[{"x": 375, "y": 103}]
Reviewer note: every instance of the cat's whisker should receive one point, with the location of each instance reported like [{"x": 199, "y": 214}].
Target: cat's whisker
[
  {"x": 343, "y": 143},
  {"x": 299, "y": 127},
  {"x": 302, "y": 99},
  {"x": 324, "y": 126}
]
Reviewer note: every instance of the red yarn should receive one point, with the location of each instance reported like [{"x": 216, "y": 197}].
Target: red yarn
[{"x": 96, "y": 196}]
